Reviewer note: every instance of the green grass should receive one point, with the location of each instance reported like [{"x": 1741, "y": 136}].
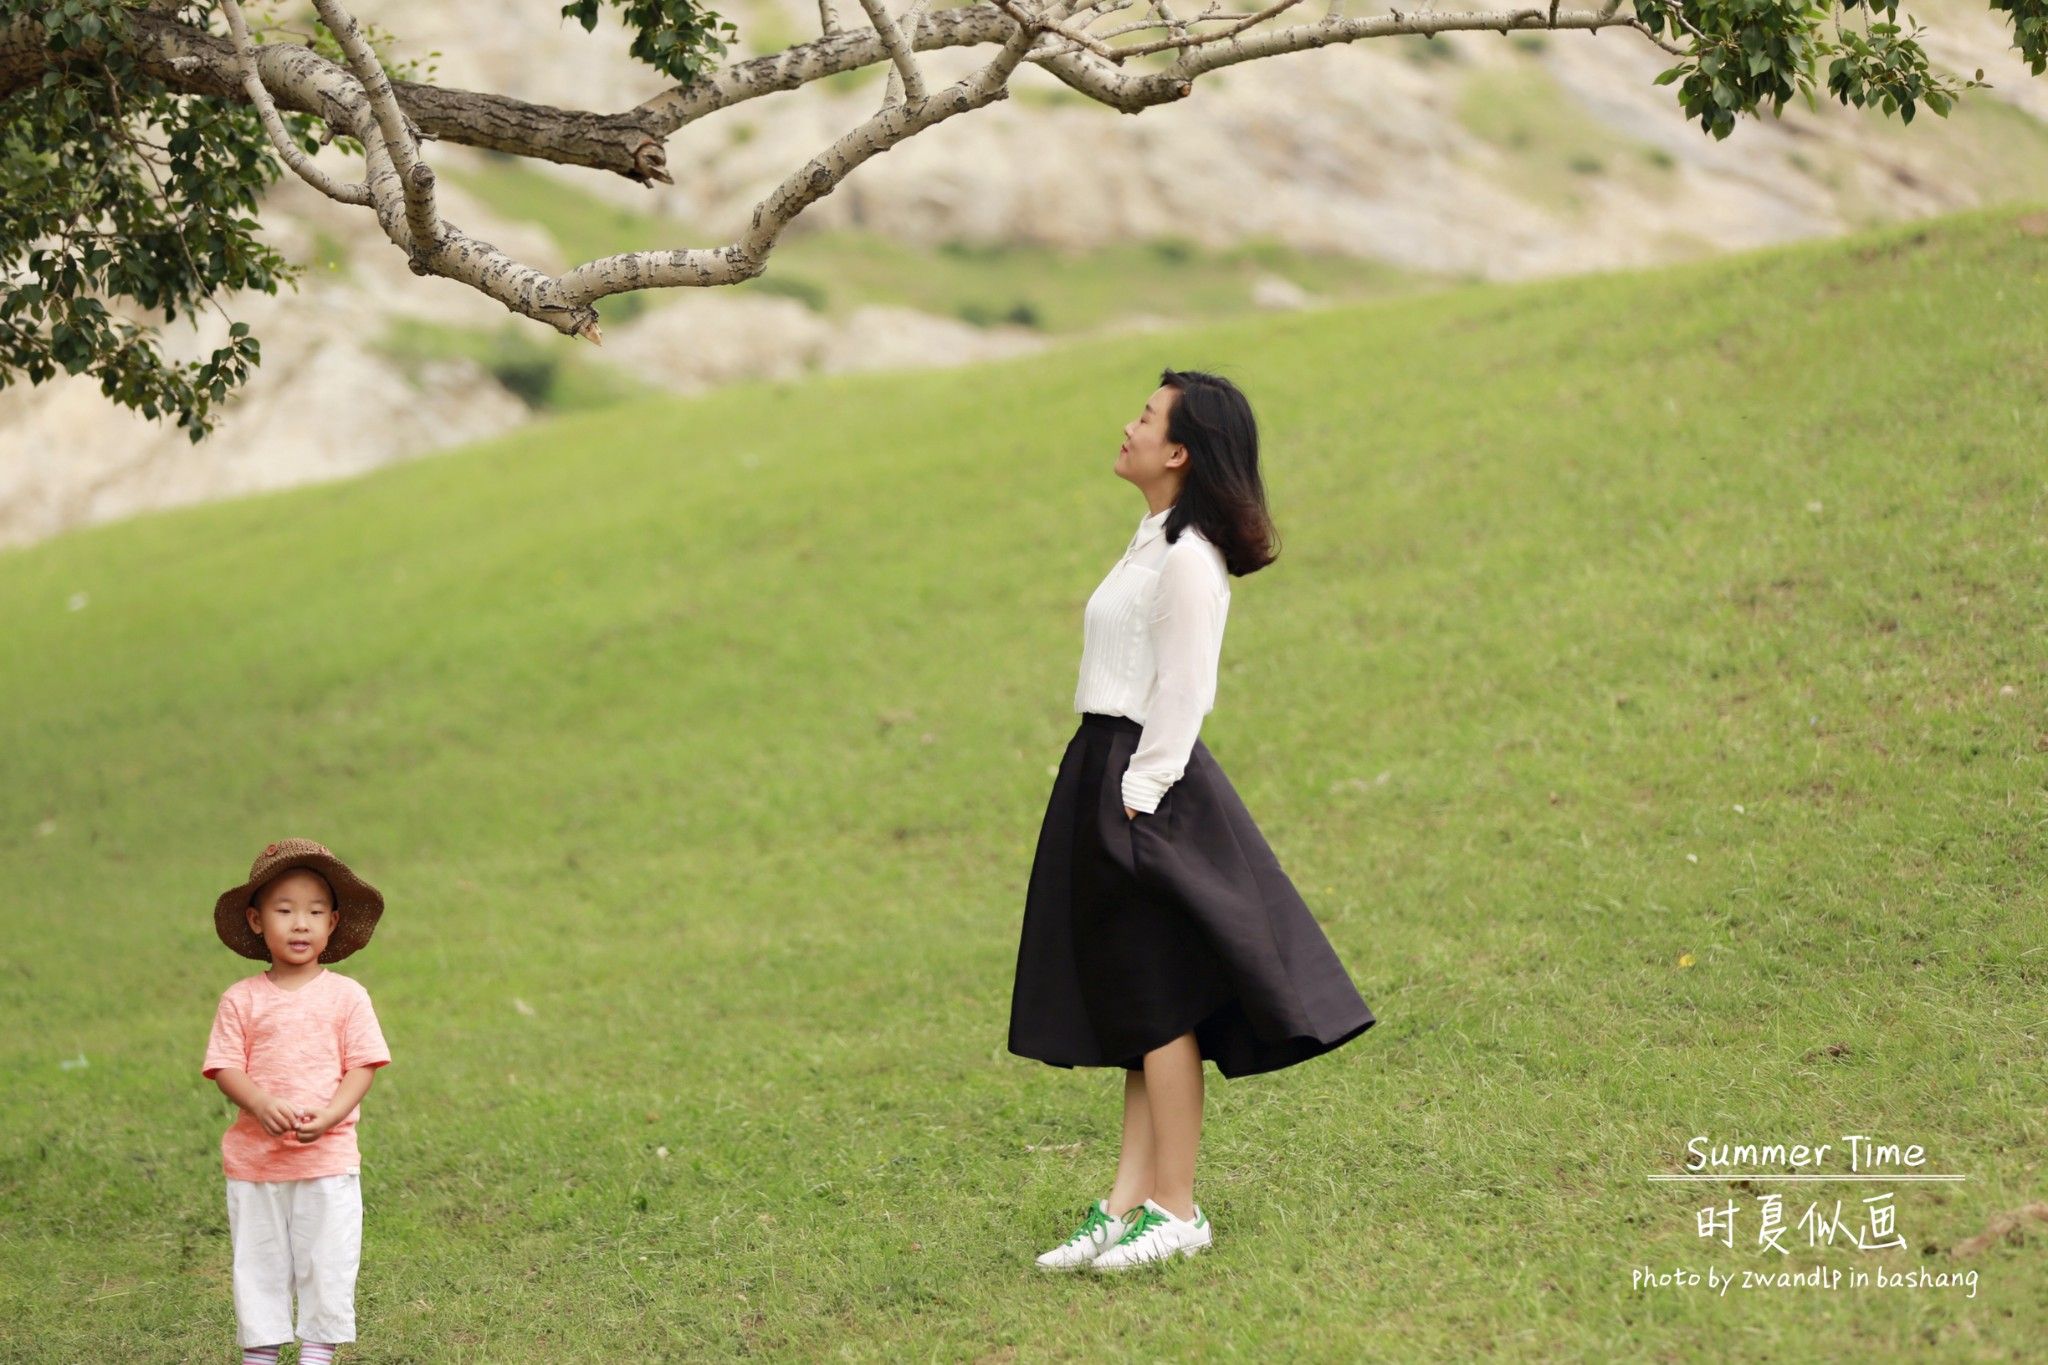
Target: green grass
[
  {"x": 1039, "y": 89},
  {"x": 1423, "y": 50},
  {"x": 583, "y": 226},
  {"x": 329, "y": 254},
  {"x": 1553, "y": 148},
  {"x": 765, "y": 28},
  {"x": 545, "y": 370},
  {"x": 1067, "y": 291},
  {"x": 703, "y": 790}
]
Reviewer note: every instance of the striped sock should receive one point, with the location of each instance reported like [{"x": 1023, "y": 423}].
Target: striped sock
[
  {"x": 259, "y": 1355},
  {"x": 315, "y": 1353}
]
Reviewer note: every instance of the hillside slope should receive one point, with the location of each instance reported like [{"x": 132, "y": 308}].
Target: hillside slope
[{"x": 1647, "y": 699}]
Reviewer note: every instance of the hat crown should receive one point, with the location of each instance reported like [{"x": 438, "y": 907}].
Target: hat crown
[{"x": 286, "y": 848}]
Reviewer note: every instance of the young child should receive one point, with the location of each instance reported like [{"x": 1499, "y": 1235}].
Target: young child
[{"x": 296, "y": 1048}]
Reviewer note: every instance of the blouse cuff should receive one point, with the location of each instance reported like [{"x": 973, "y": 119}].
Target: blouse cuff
[{"x": 1143, "y": 793}]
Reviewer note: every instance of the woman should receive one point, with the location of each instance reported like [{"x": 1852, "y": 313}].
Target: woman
[{"x": 1159, "y": 929}]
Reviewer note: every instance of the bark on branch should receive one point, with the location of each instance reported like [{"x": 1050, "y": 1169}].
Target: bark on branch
[
  {"x": 631, "y": 142},
  {"x": 273, "y": 126},
  {"x": 201, "y": 63},
  {"x": 391, "y": 119}
]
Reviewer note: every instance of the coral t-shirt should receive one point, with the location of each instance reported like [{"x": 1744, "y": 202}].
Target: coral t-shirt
[{"x": 295, "y": 1045}]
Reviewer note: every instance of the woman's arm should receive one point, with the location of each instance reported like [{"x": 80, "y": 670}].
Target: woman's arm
[{"x": 1187, "y": 642}]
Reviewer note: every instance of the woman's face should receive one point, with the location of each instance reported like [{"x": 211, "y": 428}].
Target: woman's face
[{"x": 1147, "y": 456}]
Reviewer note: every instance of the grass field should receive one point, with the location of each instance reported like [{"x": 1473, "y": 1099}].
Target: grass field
[{"x": 1648, "y": 699}]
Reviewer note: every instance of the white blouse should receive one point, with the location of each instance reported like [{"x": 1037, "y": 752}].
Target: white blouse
[{"x": 1151, "y": 637}]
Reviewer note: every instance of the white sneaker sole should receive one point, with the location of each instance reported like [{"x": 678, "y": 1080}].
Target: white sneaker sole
[
  {"x": 1063, "y": 1269},
  {"x": 1195, "y": 1250}
]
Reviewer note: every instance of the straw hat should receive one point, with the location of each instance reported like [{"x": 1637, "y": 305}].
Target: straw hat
[{"x": 359, "y": 903}]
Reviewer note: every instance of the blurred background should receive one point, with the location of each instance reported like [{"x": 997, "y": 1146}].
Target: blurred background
[{"x": 1357, "y": 171}]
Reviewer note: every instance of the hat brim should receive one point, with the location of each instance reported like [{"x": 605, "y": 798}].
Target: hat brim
[{"x": 359, "y": 905}]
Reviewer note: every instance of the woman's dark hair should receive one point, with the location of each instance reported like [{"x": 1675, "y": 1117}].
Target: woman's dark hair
[{"x": 1222, "y": 495}]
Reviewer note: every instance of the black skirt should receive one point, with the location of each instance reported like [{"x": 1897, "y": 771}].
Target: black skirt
[{"x": 1140, "y": 928}]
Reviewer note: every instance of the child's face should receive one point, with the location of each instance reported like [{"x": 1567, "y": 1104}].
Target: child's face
[{"x": 295, "y": 914}]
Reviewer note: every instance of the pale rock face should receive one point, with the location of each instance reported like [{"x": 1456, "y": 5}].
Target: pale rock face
[
  {"x": 1354, "y": 149},
  {"x": 1276, "y": 292},
  {"x": 884, "y": 338},
  {"x": 321, "y": 406},
  {"x": 708, "y": 337},
  {"x": 712, "y": 337}
]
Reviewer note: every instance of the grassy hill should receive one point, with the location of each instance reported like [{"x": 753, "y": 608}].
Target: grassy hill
[{"x": 1648, "y": 699}]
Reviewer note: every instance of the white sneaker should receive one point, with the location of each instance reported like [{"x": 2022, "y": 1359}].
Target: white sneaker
[
  {"x": 1155, "y": 1235},
  {"x": 1098, "y": 1233}
]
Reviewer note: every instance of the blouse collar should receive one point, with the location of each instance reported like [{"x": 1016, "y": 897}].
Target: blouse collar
[{"x": 1152, "y": 525}]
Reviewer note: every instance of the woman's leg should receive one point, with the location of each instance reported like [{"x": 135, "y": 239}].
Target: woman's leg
[
  {"x": 1134, "y": 1166},
  {"x": 1173, "y": 1088}
]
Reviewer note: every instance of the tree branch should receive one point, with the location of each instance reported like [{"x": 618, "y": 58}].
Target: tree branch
[
  {"x": 629, "y": 143},
  {"x": 898, "y": 49},
  {"x": 196, "y": 62},
  {"x": 1048, "y": 23},
  {"x": 746, "y": 257},
  {"x": 416, "y": 178},
  {"x": 912, "y": 17},
  {"x": 359, "y": 100},
  {"x": 273, "y": 126}
]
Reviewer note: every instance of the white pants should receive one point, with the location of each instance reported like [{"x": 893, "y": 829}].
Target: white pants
[{"x": 304, "y": 1235}]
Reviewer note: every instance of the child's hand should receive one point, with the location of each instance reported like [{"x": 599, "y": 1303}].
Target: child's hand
[
  {"x": 277, "y": 1116},
  {"x": 311, "y": 1126}
]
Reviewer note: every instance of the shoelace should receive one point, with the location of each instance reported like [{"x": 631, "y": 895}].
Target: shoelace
[
  {"x": 1146, "y": 1221},
  {"x": 1096, "y": 1219}
]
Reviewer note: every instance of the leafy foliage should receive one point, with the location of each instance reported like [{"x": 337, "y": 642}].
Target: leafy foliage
[
  {"x": 674, "y": 37},
  {"x": 1746, "y": 52},
  {"x": 120, "y": 189},
  {"x": 1881, "y": 64},
  {"x": 2029, "y": 30}
]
